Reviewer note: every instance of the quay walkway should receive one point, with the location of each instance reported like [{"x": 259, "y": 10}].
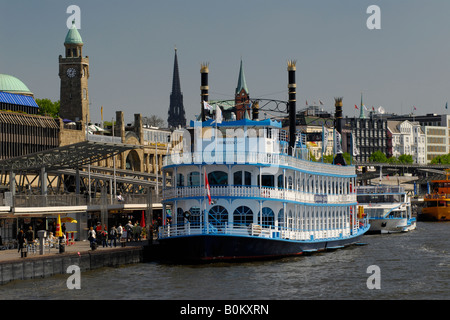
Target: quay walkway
[{"x": 52, "y": 262}]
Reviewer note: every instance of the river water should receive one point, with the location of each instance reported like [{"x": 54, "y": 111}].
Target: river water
[{"x": 414, "y": 265}]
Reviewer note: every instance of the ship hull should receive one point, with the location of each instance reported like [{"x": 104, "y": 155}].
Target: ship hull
[
  {"x": 391, "y": 225},
  {"x": 435, "y": 214},
  {"x": 214, "y": 248}
]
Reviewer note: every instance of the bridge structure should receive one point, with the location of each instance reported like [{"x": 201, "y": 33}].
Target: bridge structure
[
  {"x": 65, "y": 181},
  {"x": 395, "y": 173}
]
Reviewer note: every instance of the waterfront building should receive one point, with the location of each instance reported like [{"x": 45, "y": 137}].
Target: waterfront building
[
  {"x": 131, "y": 154},
  {"x": 436, "y": 129},
  {"x": 177, "y": 117},
  {"x": 407, "y": 139},
  {"x": 367, "y": 135}
]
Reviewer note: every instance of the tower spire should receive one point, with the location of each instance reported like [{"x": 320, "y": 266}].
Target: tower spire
[
  {"x": 361, "y": 111},
  {"x": 241, "y": 97},
  {"x": 242, "y": 85},
  {"x": 176, "y": 108}
]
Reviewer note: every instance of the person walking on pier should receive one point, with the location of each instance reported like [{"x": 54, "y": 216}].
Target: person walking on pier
[
  {"x": 113, "y": 236},
  {"x": 104, "y": 237},
  {"x": 92, "y": 238},
  {"x": 30, "y": 235},
  {"x": 119, "y": 231},
  {"x": 20, "y": 239},
  {"x": 129, "y": 229}
]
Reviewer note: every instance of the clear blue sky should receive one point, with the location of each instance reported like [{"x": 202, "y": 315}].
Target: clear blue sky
[{"x": 131, "y": 43}]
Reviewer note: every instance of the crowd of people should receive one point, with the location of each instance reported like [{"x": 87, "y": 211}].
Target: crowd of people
[
  {"x": 119, "y": 234},
  {"x": 98, "y": 235}
]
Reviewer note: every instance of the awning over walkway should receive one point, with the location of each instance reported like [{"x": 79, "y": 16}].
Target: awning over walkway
[
  {"x": 18, "y": 99},
  {"x": 70, "y": 156}
]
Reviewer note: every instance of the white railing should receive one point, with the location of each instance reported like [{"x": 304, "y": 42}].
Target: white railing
[
  {"x": 252, "y": 230},
  {"x": 256, "y": 158},
  {"x": 255, "y": 192}
]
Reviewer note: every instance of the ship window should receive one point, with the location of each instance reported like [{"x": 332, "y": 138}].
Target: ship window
[
  {"x": 180, "y": 180},
  {"x": 194, "y": 217},
  {"x": 218, "y": 178},
  {"x": 237, "y": 178},
  {"x": 193, "y": 179},
  {"x": 280, "y": 181},
  {"x": 180, "y": 216},
  {"x": 218, "y": 215},
  {"x": 290, "y": 183},
  {"x": 267, "y": 180},
  {"x": 267, "y": 217},
  {"x": 247, "y": 178},
  {"x": 242, "y": 216},
  {"x": 281, "y": 218}
]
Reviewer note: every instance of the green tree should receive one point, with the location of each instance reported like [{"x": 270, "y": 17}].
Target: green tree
[
  {"x": 444, "y": 159},
  {"x": 330, "y": 158},
  {"x": 393, "y": 160},
  {"x": 48, "y": 108},
  {"x": 405, "y": 158},
  {"x": 378, "y": 157}
]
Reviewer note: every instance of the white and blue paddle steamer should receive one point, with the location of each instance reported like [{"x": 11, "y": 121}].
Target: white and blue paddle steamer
[{"x": 243, "y": 192}]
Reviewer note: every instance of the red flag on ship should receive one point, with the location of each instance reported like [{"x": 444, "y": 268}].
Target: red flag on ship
[
  {"x": 208, "y": 191},
  {"x": 356, "y": 107}
]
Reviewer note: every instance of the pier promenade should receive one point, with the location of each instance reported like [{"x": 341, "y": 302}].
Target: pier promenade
[{"x": 52, "y": 262}]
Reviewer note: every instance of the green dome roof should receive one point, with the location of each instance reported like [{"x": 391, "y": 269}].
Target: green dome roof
[
  {"x": 13, "y": 85},
  {"x": 73, "y": 36}
]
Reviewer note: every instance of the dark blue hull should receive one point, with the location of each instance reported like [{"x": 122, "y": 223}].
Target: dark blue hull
[{"x": 209, "y": 248}]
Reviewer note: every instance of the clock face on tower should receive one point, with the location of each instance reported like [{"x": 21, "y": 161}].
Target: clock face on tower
[{"x": 71, "y": 72}]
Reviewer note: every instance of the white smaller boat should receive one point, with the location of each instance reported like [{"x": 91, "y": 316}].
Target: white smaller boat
[{"x": 387, "y": 207}]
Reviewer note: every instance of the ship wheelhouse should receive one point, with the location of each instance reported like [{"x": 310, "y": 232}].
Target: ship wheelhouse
[{"x": 256, "y": 188}]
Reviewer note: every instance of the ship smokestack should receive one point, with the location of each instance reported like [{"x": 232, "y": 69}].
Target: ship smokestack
[
  {"x": 204, "y": 70},
  {"x": 339, "y": 157},
  {"x": 292, "y": 86},
  {"x": 338, "y": 114},
  {"x": 255, "y": 110}
]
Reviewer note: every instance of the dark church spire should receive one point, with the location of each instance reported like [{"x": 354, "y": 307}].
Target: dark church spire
[{"x": 176, "y": 109}]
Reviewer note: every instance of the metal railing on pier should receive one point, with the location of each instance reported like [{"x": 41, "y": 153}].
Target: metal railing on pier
[{"x": 70, "y": 200}]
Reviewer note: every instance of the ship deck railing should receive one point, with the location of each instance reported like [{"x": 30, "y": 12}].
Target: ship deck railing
[
  {"x": 252, "y": 230},
  {"x": 379, "y": 189},
  {"x": 254, "y": 158},
  {"x": 257, "y": 192},
  {"x": 437, "y": 196}
]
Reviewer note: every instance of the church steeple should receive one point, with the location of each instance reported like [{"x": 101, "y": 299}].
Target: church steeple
[
  {"x": 241, "y": 98},
  {"x": 242, "y": 85},
  {"x": 176, "y": 109}
]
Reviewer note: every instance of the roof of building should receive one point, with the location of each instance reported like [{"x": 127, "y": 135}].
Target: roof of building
[
  {"x": 73, "y": 36},
  {"x": 18, "y": 99},
  {"x": 69, "y": 156},
  {"x": 13, "y": 85}
]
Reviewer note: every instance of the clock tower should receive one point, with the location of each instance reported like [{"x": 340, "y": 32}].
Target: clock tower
[{"x": 74, "y": 75}]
